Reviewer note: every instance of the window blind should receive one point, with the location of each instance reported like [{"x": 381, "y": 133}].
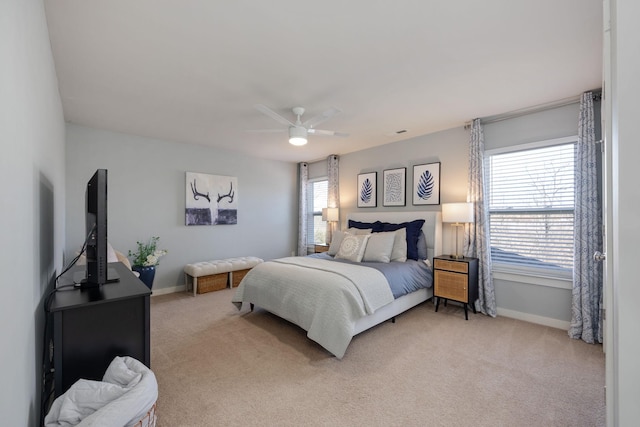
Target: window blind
[
  {"x": 316, "y": 200},
  {"x": 531, "y": 204}
]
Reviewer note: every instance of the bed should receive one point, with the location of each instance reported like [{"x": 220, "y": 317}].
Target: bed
[{"x": 334, "y": 301}]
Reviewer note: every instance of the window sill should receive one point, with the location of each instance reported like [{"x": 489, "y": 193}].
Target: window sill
[{"x": 533, "y": 279}]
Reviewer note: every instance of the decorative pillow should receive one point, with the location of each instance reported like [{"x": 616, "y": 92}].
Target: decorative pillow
[
  {"x": 336, "y": 241},
  {"x": 375, "y": 226},
  {"x": 379, "y": 247},
  {"x": 352, "y": 247},
  {"x": 413, "y": 231},
  {"x": 359, "y": 231},
  {"x": 422, "y": 246},
  {"x": 399, "y": 251},
  {"x": 111, "y": 254}
]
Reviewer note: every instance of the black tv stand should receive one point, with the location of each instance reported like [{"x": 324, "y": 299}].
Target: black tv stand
[
  {"x": 80, "y": 278},
  {"x": 92, "y": 326}
]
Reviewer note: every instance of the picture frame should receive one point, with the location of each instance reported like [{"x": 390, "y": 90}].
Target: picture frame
[
  {"x": 211, "y": 199},
  {"x": 426, "y": 184},
  {"x": 367, "y": 190},
  {"x": 394, "y": 187}
]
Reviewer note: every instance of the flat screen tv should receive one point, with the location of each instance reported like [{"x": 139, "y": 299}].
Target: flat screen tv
[{"x": 97, "y": 271}]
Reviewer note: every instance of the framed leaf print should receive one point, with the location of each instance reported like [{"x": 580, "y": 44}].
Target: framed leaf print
[
  {"x": 394, "y": 187},
  {"x": 367, "y": 195},
  {"x": 426, "y": 184}
]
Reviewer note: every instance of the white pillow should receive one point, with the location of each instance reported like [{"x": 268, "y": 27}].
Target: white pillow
[
  {"x": 359, "y": 231},
  {"x": 336, "y": 240},
  {"x": 352, "y": 247},
  {"x": 111, "y": 254},
  {"x": 399, "y": 251},
  {"x": 379, "y": 247}
]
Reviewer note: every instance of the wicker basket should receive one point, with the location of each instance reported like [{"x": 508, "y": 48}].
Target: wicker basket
[
  {"x": 212, "y": 282},
  {"x": 238, "y": 276},
  {"x": 149, "y": 420}
]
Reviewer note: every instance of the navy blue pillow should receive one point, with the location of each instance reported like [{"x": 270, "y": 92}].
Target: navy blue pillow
[
  {"x": 413, "y": 232},
  {"x": 375, "y": 227}
]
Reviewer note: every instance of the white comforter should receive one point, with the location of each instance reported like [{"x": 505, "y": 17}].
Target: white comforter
[
  {"x": 323, "y": 297},
  {"x": 125, "y": 394}
]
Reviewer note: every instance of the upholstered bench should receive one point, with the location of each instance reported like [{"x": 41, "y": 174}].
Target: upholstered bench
[{"x": 214, "y": 275}]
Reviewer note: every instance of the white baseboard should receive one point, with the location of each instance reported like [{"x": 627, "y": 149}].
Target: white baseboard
[
  {"x": 170, "y": 290},
  {"x": 532, "y": 318}
]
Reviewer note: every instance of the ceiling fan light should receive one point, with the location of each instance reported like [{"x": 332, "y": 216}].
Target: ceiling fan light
[{"x": 297, "y": 135}]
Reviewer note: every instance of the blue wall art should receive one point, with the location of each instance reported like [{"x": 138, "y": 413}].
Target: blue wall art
[
  {"x": 426, "y": 184},
  {"x": 367, "y": 195},
  {"x": 394, "y": 187}
]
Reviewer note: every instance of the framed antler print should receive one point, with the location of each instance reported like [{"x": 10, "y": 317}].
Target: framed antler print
[{"x": 211, "y": 199}]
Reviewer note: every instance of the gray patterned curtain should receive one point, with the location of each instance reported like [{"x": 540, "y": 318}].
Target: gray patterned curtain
[
  {"x": 333, "y": 187},
  {"x": 586, "y": 316},
  {"x": 477, "y": 239},
  {"x": 302, "y": 209}
]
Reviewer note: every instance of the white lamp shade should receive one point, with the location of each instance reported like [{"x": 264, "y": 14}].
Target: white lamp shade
[
  {"x": 457, "y": 212},
  {"x": 333, "y": 214}
]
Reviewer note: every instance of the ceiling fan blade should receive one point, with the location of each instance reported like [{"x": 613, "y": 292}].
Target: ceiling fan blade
[
  {"x": 326, "y": 132},
  {"x": 314, "y": 121},
  {"x": 275, "y": 116}
]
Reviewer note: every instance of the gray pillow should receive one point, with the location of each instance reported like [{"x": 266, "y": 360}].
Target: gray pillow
[
  {"x": 399, "y": 251},
  {"x": 379, "y": 247},
  {"x": 422, "y": 246},
  {"x": 352, "y": 247}
]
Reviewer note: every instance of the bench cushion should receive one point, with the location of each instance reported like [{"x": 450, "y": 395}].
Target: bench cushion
[{"x": 206, "y": 268}]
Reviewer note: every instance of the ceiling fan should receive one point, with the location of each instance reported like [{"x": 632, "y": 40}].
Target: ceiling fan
[{"x": 299, "y": 130}]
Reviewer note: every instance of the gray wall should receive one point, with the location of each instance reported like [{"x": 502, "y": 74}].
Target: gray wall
[
  {"x": 520, "y": 297},
  {"x": 32, "y": 138},
  {"x": 147, "y": 198},
  {"x": 528, "y": 297}
]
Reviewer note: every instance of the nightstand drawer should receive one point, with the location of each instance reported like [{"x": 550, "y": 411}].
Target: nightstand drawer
[
  {"x": 461, "y": 267},
  {"x": 450, "y": 285}
]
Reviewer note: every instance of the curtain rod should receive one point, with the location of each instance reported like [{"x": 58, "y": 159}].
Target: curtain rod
[{"x": 597, "y": 95}]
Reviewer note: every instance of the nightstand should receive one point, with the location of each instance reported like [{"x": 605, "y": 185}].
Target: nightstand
[
  {"x": 457, "y": 280},
  {"x": 318, "y": 248}
]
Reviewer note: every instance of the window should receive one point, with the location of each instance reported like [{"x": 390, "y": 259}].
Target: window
[
  {"x": 531, "y": 203},
  {"x": 316, "y": 200}
]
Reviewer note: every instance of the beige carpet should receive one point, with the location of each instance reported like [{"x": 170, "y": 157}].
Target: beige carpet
[{"x": 220, "y": 367}]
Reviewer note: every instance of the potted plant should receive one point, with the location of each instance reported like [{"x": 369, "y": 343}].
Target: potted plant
[{"x": 145, "y": 260}]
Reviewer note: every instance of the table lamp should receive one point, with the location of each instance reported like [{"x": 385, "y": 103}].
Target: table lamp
[
  {"x": 330, "y": 215},
  {"x": 458, "y": 214}
]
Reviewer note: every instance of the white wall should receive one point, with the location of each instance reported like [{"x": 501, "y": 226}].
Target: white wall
[
  {"x": 32, "y": 139},
  {"x": 147, "y": 198}
]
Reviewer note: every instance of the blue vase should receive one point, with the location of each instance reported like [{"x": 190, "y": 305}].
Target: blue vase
[{"x": 146, "y": 274}]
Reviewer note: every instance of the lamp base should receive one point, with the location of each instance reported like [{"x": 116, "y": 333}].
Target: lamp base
[{"x": 457, "y": 255}]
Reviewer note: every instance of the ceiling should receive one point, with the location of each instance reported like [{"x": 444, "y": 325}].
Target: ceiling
[{"x": 191, "y": 71}]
